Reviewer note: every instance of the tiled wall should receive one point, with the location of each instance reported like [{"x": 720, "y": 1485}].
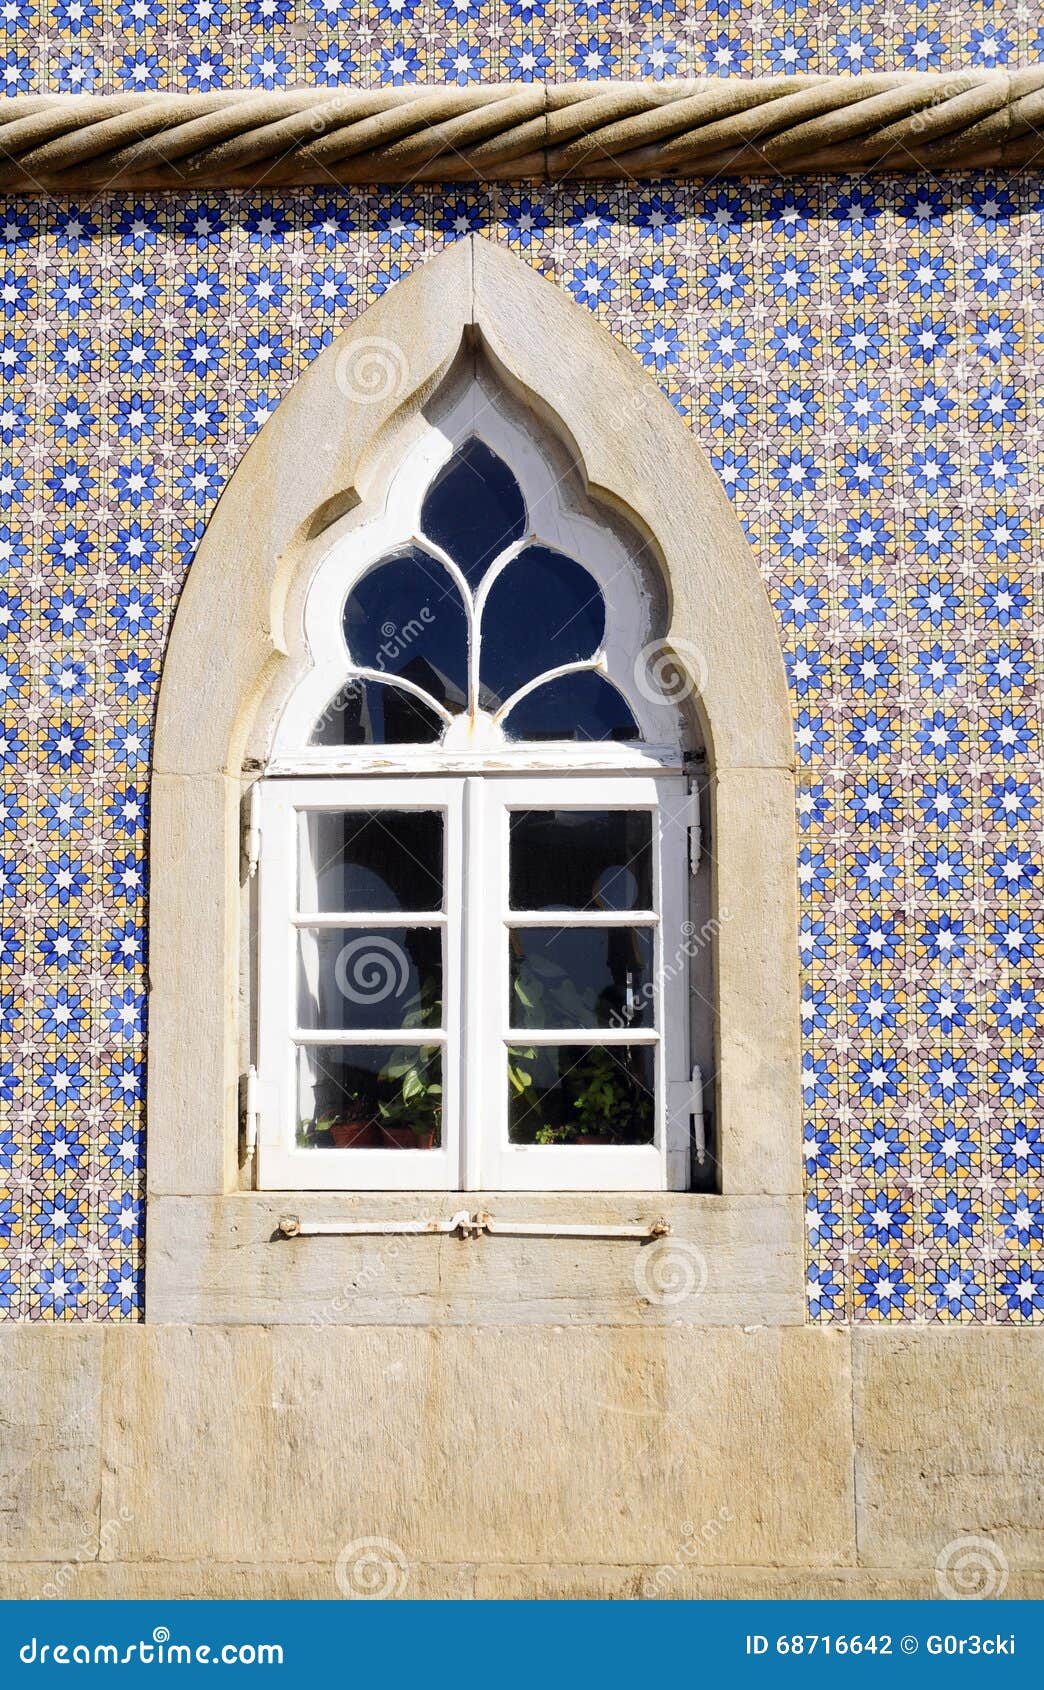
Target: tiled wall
[
  {"x": 103, "y": 45},
  {"x": 864, "y": 363}
]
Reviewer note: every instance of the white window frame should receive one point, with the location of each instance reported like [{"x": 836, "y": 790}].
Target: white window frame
[
  {"x": 629, "y": 644},
  {"x": 282, "y": 1165},
  {"x": 474, "y": 1153}
]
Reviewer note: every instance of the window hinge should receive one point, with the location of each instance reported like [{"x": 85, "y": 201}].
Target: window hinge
[
  {"x": 252, "y": 834},
  {"x": 695, "y": 829},
  {"x": 699, "y": 1126},
  {"x": 251, "y": 1121}
]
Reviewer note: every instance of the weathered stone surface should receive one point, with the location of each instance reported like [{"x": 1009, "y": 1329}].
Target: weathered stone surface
[
  {"x": 535, "y": 1460},
  {"x": 808, "y": 1584},
  {"x": 729, "y": 1260},
  {"x": 558, "y": 1584},
  {"x": 297, "y": 1581},
  {"x": 534, "y": 1444},
  {"x": 949, "y": 1433},
  {"x": 755, "y": 902},
  {"x": 50, "y": 1429}
]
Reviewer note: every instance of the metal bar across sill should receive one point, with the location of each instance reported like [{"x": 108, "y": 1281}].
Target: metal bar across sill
[{"x": 463, "y": 1225}]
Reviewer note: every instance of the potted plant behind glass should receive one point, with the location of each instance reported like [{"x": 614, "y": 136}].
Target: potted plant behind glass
[
  {"x": 355, "y": 1127},
  {"x": 412, "y": 1118},
  {"x": 610, "y": 1109},
  {"x": 351, "y": 1124}
]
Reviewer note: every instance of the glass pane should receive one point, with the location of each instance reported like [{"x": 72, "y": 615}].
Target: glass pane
[
  {"x": 581, "y": 977},
  {"x": 544, "y": 610},
  {"x": 377, "y": 978},
  {"x": 584, "y": 707},
  {"x": 581, "y": 860},
  {"x": 370, "y": 860},
  {"x": 369, "y": 1097},
  {"x": 371, "y": 713},
  {"x": 581, "y": 1094},
  {"x": 405, "y": 617},
  {"x": 474, "y": 509}
]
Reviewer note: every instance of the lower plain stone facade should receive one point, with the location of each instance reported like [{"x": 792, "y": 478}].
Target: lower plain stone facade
[{"x": 520, "y": 1461}]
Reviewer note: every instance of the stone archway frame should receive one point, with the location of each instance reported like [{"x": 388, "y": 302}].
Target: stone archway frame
[{"x": 229, "y": 644}]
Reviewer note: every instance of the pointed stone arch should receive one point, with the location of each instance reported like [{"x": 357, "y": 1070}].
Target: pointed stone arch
[{"x": 231, "y": 645}]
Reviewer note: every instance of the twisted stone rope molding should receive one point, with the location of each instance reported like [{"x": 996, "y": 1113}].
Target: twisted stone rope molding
[{"x": 775, "y": 126}]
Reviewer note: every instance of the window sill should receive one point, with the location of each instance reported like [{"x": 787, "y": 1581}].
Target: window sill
[{"x": 726, "y": 1261}]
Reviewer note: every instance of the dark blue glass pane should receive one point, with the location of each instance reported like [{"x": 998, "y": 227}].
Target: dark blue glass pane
[
  {"x": 474, "y": 509},
  {"x": 405, "y": 618},
  {"x": 372, "y": 713},
  {"x": 583, "y": 706},
  {"x": 543, "y": 611}
]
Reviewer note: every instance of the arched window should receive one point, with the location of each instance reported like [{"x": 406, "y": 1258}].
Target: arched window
[
  {"x": 474, "y": 902},
  {"x": 462, "y": 648}
]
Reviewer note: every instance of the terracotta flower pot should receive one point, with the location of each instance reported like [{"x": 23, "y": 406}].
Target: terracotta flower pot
[
  {"x": 592, "y": 1138},
  {"x": 355, "y": 1133},
  {"x": 404, "y": 1138}
]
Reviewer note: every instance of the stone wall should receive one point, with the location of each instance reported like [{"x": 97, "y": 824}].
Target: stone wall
[{"x": 537, "y": 1460}]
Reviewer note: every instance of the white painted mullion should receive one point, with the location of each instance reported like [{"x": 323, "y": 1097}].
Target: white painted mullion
[
  {"x": 673, "y": 964},
  {"x": 454, "y": 975},
  {"x": 478, "y": 1029},
  {"x": 304, "y": 894},
  {"x": 276, "y": 1056},
  {"x": 581, "y": 918},
  {"x": 369, "y": 918},
  {"x": 584, "y": 1037}
]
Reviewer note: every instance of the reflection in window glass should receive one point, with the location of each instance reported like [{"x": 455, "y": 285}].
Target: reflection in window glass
[
  {"x": 542, "y": 612},
  {"x": 369, "y": 1097},
  {"x": 474, "y": 509},
  {"x": 580, "y": 1094},
  {"x": 369, "y": 979},
  {"x": 581, "y": 977},
  {"x": 405, "y": 617},
  {"x": 574, "y": 707},
  {"x": 376, "y": 713},
  {"x": 581, "y": 860},
  {"x": 370, "y": 860}
]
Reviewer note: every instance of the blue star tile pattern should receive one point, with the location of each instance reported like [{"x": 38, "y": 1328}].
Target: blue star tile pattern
[
  {"x": 116, "y": 46},
  {"x": 862, "y": 362}
]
